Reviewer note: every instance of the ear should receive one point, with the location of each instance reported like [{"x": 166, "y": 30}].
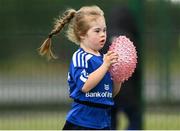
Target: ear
[{"x": 82, "y": 37}]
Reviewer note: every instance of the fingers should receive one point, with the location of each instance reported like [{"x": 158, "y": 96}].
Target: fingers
[
  {"x": 112, "y": 56},
  {"x": 114, "y": 59},
  {"x": 110, "y": 53}
]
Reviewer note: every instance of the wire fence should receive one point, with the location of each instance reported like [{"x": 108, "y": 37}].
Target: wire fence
[{"x": 34, "y": 92}]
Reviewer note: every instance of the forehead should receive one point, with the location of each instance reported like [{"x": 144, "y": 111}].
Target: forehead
[{"x": 98, "y": 22}]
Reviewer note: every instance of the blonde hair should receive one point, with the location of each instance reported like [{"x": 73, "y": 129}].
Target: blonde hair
[{"x": 78, "y": 26}]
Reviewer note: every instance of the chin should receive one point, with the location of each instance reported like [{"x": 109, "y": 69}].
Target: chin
[
  {"x": 102, "y": 45},
  {"x": 100, "y": 48}
]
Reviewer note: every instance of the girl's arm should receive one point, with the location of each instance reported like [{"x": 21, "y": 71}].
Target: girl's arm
[
  {"x": 116, "y": 88},
  {"x": 95, "y": 77}
]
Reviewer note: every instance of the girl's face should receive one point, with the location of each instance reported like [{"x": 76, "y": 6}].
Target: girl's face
[{"x": 95, "y": 37}]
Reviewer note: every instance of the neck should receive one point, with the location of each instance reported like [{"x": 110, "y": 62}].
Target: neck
[{"x": 89, "y": 50}]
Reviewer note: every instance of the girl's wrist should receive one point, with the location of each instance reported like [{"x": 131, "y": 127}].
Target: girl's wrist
[{"x": 106, "y": 66}]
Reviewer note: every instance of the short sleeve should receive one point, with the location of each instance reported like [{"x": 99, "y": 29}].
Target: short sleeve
[{"x": 80, "y": 65}]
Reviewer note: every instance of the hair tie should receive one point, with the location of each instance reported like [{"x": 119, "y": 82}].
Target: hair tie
[{"x": 50, "y": 36}]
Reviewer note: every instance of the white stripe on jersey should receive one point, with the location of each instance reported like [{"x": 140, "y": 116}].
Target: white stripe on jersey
[
  {"x": 80, "y": 58},
  {"x": 83, "y": 58},
  {"x": 87, "y": 57},
  {"x": 74, "y": 58}
]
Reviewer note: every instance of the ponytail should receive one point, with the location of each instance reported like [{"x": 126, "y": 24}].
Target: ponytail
[{"x": 45, "y": 48}]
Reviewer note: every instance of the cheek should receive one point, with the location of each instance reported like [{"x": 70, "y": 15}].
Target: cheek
[
  {"x": 96, "y": 42},
  {"x": 94, "y": 39}
]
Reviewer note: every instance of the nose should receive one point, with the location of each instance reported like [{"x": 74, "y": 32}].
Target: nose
[{"x": 103, "y": 34}]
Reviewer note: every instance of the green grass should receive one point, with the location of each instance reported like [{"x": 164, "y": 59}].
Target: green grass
[
  {"x": 155, "y": 121},
  {"x": 55, "y": 120},
  {"x": 32, "y": 121}
]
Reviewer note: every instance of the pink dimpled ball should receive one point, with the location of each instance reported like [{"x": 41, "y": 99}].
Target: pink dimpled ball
[{"x": 127, "y": 59}]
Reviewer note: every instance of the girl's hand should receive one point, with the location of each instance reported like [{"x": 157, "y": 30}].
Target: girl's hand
[
  {"x": 110, "y": 58},
  {"x": 117, "y": 83},
  {"x": 116, "y": 88}
]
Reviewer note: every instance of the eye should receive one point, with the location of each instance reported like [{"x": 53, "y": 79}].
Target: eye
[
  {"x": 104, "y": 30},
  {"x": 97, "y": 30}
]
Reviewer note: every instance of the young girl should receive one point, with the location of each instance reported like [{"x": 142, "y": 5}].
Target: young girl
[{"x": 90, "y": 83}]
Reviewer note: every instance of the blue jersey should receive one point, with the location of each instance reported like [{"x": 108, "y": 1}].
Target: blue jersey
[{"x": 81, "y": 66}]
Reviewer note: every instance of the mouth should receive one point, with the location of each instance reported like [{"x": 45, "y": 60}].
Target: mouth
[{"x": 102, "y": 41}]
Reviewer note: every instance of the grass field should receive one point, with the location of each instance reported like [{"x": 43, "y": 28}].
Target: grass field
[{"x": 55, "y": 120}]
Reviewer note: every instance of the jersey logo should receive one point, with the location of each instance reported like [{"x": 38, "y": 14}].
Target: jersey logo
[
  {"x": 106, "y": 87},
  {"x": 84, "y": 76}
]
